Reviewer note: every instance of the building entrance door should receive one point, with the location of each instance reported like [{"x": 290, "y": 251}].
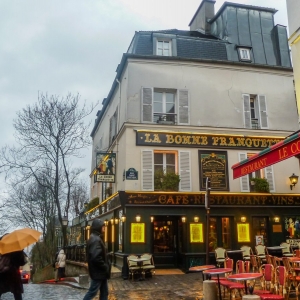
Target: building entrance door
[
  {"x": 167, "y": 241},
  {"x": 220, "y": 233}
]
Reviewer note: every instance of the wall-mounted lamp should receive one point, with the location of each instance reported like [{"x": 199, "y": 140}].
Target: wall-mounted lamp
[
  {"x": 138, "y": 218},
  {"x": 293, "y": 180},
  {"x": 276, "y": 219},
  {"x": 123, "y": 218},
  {"x": 151, "y": 219},
  {"x": 106, "y": 222},
  {"x": 116, "y": 220},
  {"x": 243, "y": 219},
  {"x": 196, "y": 219},
  {"x": 183, "y": 219},
  {"x": 112, "y": 221}
]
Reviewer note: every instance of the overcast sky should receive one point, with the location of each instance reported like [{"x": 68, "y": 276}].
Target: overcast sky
[{"x": 57, "y": 47}]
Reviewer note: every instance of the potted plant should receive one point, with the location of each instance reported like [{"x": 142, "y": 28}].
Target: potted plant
[
  {"x": 166, "y": 181},
  {"x": 261, "y": 185}
]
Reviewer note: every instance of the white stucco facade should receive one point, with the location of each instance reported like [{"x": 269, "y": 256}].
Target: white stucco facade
[{"x": 293, "y": 11}]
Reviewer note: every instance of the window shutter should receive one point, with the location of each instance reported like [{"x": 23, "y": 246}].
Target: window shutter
[
  {"x": 245, "y": 179},
  {"x": 147, "y": 170},
  {"x": 184, "y": 171},
  {"x": 269, "y": 174},
  {"x": 263, "y": 111},
  {"x": 147, "y": 111},
  {"x": 183, "y": 107},
  {"x": 247, "y": 114}
]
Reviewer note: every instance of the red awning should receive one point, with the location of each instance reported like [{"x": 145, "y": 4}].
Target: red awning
[{"x": 270, "y": 156}]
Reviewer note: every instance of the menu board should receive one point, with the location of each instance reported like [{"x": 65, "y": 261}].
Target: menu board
[
  {"x": 243, "y": 232},
  {"x": 214, "y": 164},
  {"x": 196, "y": 233},
  {"x": 137, "y": 233}
]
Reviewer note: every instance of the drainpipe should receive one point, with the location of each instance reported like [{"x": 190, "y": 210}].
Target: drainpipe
[{"x": 118, "y": 128}]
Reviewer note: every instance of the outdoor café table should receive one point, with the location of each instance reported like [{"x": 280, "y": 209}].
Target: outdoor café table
[
  {"x": 139, "y": 261},
  {"x": 244, "y": 277},
  {"x": 201, "y": 269},
  {"x": 275, "y": 250},
  {"x": 217, "y": 272}
]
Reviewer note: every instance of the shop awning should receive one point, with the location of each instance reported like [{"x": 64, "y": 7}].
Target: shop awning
[{"x": 287, "y": 148}]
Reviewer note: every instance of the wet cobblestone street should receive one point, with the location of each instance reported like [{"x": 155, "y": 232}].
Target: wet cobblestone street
[{"x": 167, "y": 287}]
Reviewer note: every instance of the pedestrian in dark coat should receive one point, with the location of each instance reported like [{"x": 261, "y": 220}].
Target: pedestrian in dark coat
[
  {"x": 98, "y": 262},
  {"x": 10, "y": 280}
]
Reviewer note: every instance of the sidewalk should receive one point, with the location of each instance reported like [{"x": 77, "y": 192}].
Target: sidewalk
[{"x": 165, "y": 284}]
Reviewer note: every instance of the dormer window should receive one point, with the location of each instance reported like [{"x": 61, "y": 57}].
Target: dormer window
[
  {"x": 163, "y": 48},
  {"x": 244, "y": 54},
  {"x": 164, "y": 44}
]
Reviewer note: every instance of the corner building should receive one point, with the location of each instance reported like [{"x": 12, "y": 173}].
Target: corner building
[{"x": 194, "y": 103}]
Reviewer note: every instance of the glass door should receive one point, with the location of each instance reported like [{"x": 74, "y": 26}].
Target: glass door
[
  {"x": 219, "y": 233},
  {"x": 167, "y": 241}
]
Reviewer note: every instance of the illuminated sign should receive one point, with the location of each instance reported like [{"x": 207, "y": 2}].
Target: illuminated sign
[
  {"x": 243, "y": 232},
  {"x": 274, "y": 154},
  {"x": 196, "y": 233}
]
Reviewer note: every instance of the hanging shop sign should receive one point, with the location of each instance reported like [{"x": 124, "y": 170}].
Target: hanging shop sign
[
  {"x": 272, "y": 155},
  {"x": 196, "y": 140},
  {"x": 213, "y": 165},
  {"x": 105, "y": 167},
  {"x": 131, "y": 174}
]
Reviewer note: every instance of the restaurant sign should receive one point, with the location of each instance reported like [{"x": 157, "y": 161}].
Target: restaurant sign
[
  {"x": 274, "y": 154},
  {"x": 196, "y": 140},
  {"x": 218, "y": 200}
]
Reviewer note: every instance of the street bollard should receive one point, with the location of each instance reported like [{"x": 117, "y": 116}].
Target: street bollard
[{"x": 209, "y": 290}]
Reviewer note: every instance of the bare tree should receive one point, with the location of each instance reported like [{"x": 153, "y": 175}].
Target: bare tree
[{"x": 50, "y": 133}]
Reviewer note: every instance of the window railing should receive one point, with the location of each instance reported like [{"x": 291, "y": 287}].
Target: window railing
[
  {"x": 255, "y": 124},
  {"x": 163, "y": 118}
]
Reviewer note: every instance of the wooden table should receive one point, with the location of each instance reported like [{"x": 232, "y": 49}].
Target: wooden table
[
  {"x": 139, "y": 261},
  {"x": 244, "y": 277},
  {"x": 201, "y": 269},
  {"x": 217, "y": 272}
]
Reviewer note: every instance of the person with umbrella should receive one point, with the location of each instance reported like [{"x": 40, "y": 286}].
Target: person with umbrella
[
  {"x": 10, "y": 280},
  {"x": 11, "y": 247}
]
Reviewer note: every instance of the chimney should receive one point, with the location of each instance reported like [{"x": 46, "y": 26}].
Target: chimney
[{"x": 205, "y": 12}]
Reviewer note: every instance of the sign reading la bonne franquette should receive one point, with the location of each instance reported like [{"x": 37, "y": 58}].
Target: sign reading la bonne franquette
[{"x": 179, "y": 139}]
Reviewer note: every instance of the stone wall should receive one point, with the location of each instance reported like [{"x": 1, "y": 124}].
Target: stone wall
[{"x": 73, "y": 269}]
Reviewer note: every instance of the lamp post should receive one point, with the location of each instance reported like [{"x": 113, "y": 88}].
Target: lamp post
[{"x": 207, "y": 207}]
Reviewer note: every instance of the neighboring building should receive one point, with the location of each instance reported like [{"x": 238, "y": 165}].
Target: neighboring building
[
  {"x": 293, "y": 11},
  {"x": 195, "y": 103}
]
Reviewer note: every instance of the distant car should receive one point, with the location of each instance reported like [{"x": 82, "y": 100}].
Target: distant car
[{"x": 25, "y": 276}]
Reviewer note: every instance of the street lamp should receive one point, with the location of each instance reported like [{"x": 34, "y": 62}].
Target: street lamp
[{"x": 65, "y": 220}]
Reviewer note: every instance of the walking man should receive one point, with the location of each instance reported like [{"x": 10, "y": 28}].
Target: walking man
[{"x": 98, "y": 263}]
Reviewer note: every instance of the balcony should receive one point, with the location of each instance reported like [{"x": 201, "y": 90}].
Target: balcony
[{"x": 163, "y": 118}]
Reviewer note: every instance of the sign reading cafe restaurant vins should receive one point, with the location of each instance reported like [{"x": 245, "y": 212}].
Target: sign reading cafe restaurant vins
[{"x": 184, "y": 139}]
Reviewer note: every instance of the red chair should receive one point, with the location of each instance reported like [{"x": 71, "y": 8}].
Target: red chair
[
  {"x": 281, "y": 276},
  {"x": 231, "y": 287},
  {"x": 267, "y": 281}
]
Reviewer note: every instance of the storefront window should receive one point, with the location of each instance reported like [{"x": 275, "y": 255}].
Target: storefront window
[{"x": 260, "y": 228}]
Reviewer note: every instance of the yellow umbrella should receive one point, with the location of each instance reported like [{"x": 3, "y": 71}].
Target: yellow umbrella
[{"x": 18, "y": 240}]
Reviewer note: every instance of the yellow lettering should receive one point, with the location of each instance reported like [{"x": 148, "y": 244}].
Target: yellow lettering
[
  {"x": 170, "y": 139},
  {"x": 147, "y": 140},
  {"x": 204, "y": 140},
  {"x": 186, "y": 139},
  {"x": 223, "y": 141},
  {"x": 196, "y": 140},
  {"x": 156, "y": 138},
  {"x": 231, "y": 142},
  {"x": 240, "y": 142},
  {"x": 178, "y": 139},
  {"x": 215, "y": 140}
]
